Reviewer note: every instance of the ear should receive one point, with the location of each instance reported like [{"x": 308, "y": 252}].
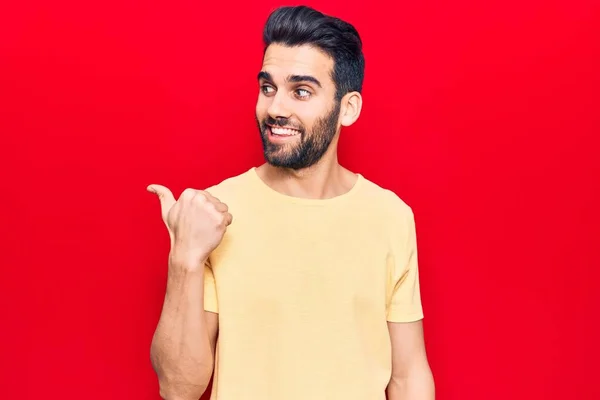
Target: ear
[{"x": 351, "y": 107}]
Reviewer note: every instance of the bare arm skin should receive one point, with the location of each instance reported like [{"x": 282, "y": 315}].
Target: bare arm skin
[
  {"x": 183, "y": 345},
  {"x": 412, "y": 378}
]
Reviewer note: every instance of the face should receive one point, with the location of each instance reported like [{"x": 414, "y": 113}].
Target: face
[{"x": 296, "y": 111}]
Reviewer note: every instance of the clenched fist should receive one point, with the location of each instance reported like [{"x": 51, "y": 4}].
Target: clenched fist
[{"x": 197, "y": 222}]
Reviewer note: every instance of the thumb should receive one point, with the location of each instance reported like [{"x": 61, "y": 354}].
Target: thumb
[{"x": 164, "y": 196}]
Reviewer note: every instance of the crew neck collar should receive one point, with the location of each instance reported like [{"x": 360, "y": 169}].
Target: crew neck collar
[{"x": 301, "y": 200}]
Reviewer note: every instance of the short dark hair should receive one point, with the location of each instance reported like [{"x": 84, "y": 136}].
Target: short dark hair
[{"x": 300, "y": 25}]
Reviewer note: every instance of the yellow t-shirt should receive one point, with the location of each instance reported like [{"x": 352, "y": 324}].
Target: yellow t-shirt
[{"x": 304, "y": 289}]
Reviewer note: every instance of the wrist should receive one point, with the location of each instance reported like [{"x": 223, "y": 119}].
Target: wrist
[{"x": 186, "y": 261}]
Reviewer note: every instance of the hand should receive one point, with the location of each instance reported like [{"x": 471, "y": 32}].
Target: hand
[{"x": 197, "y": 222}]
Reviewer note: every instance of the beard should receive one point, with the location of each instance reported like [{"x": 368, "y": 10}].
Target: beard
[{"x": 311, "y": 147}]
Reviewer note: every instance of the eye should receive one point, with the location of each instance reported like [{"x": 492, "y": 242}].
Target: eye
[
  {"x": 266, "y": 89},
  {"x": 303, "y": 93}
]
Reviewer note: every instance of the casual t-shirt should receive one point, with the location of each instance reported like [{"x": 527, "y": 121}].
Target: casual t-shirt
[{"x": 304, "y": 289}]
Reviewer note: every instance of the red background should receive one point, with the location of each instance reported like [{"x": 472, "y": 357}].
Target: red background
[{"x": 482, "y": 115}]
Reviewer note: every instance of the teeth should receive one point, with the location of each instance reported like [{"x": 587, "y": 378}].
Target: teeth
[{"x": 284, "y": 131}]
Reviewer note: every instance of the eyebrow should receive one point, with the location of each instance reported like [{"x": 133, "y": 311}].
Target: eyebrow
[{"x": 291, "y": 78}]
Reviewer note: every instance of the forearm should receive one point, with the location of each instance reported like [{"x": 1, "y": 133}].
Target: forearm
[
  {"x": 181, "y": 352},
  {"x": 416, "y": 385}
]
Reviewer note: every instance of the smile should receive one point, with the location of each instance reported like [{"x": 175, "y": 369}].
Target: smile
[{"x": 278, "y": 131}]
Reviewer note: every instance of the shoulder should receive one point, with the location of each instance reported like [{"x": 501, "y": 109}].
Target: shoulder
[
  {"x": 230, "y": 187},
  {"x": 396, "y": 217},
  {"x": 387, "y": 200}
]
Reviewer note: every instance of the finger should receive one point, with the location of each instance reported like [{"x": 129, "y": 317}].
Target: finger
[
  {"x": 221, "y": 207},
  {"x": 210, "y": 197},
  {"x": 228, "y": 218},
  {"x": 164, "y": 196}
]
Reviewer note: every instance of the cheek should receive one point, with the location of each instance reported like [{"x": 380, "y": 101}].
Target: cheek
[
  {"x": 262, "y": 107},
  {"x": 307, "y": 117}
]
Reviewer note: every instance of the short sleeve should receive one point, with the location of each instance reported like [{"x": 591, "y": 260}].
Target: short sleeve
[
  {"x": 210, "y": 289},
  {"x": 404, "y": 297}
]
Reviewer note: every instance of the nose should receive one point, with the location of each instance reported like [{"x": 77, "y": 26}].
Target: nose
[{"x": 279, "y": 107}]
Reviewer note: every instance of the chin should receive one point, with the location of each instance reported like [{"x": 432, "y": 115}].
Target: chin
[{"x": 286, "y": 163}]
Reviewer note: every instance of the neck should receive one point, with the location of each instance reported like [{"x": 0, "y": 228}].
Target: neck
[{"x": 323, "y": 180}]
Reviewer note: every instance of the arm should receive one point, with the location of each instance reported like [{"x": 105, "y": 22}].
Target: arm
[
  {"x": 411, "y": 376},
  {"x": 183, "y": 345}
]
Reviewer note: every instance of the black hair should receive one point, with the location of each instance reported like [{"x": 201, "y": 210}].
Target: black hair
[{"x": 300, "y": 25}]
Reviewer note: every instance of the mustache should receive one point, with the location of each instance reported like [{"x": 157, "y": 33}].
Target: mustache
[{"x": 283, "y": 123}]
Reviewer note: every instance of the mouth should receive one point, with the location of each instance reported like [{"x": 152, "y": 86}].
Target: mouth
[{"x": 279, "y": 133}]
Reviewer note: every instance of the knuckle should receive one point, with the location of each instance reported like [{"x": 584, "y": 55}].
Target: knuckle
[
  {"x": 188, "y": 193},
  {"x": 200, "y": 198},
  {"x": 215, "y": 207},
  {"x": 220, "y": 219}
]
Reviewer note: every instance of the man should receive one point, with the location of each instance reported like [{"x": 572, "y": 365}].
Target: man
[{"x": 298, "y": 279}]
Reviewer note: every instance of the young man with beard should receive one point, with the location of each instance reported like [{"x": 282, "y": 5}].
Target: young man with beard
[{"x": 312, "y": 292}]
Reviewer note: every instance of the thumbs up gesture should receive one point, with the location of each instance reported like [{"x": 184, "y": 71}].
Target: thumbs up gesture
[{"x": 197, "y": 222}]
